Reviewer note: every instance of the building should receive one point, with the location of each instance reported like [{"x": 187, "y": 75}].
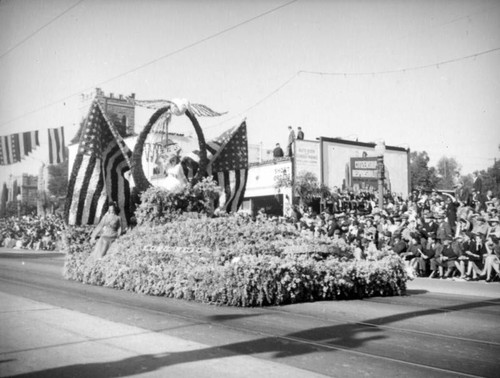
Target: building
[
  {"x": 120, "y": 109},
  {"x": 337, "y": 163},
  {"x": 24, "y": 185}
]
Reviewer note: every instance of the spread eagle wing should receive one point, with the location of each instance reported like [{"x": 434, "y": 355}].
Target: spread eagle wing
[
  {"x": 179, "y": 106},
  {"x": 204, "y": 111}
]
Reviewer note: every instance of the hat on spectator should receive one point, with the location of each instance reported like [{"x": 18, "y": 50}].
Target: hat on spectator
[
  {"x": 336, "y": 232},
  {"x": 492, "y": 220}
]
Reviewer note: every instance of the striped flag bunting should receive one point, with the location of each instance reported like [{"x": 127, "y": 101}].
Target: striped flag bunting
[
  {"x": 15, "y": 147},
  {"x": 57, "y": 149},
  {"x": 98, "y": 174},
  {"x": 228, "y": 164}
]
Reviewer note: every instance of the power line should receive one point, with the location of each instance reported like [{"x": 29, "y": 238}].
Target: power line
[
  {"x": 353, "y": 74},
  {"x": 258, "y": 102},
  {"x": 442, "y": 63},
  {"x": 40, "y": 29},
  {"x": 212, "y": 36}
]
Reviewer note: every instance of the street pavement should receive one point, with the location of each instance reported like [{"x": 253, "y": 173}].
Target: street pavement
[{"x": 51, "y": 327}]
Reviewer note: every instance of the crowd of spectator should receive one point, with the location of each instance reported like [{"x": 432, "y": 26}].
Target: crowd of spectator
[
  {"x": 31, "y": 232},
  {"x": 436, "y": 234}
]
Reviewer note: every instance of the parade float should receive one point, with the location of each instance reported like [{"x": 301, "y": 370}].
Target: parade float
[{"x": 185, "y": 238}]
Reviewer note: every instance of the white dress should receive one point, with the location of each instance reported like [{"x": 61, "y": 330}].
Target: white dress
[{"x": 176, "y": 180}]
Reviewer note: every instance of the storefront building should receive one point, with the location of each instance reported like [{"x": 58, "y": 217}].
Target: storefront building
[{"x": 337, "y": 163}]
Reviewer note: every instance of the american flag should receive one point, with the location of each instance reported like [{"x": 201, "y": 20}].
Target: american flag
[
  {"x": 13, "y": 148},
  {"x": 57, "y": 148},
  {"x": 228, "y": 163},
  {"x": 98, "y": 174}
]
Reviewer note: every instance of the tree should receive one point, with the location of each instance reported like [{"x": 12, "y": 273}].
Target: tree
[
  {"x": 491, "y": 178},
  {"x": 58, "y": 179},
  {"x": 422, "y": 176},
  {"x": 308, "y": 187},
  {"x": 446, "y": 168}
]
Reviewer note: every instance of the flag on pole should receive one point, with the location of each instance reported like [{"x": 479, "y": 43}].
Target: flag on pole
[
  {"x": 15, "y": 147},
  {"x": 98, "y": 174},
  {"x": 228, "y": 163},
  {"x": 57, "y": 147}
]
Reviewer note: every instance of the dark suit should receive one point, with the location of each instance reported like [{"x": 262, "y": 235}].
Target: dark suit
[
  {"x": 444, "y": 231},
  {"x": 278, "y": 152},
  {"x": 478, "y": 185}
]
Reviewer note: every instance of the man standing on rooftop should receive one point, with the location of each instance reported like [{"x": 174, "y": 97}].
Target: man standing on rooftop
[
  {"x": 291, "y": 139},
  {"x": 300, "y": 133}
]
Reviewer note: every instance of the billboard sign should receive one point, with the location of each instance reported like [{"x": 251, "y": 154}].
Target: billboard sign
[
  {"x": 307, "y": 157},
  {"x": 364, "y": 172}
]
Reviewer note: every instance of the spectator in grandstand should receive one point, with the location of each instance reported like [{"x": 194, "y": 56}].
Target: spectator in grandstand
[
  {"x": 429, "y": 225},
  {"x": 384, "y": 240},
  {"x": 413, "y": 252},
  {"x": 427, "y": 252},
  {"x": 444, "y": 230},
  {"x": 479, "y": 225},
  {"x": 357, "y": 251},
  {"x": 411, "y": 228},
  {"x": 494, "y": 227},
  {"x": 435, "y": 261},
  {"x": 458, "y": 248},
  {"x": 474, "y": 250},
  {"x": 398, "y": 245},
  {"x": 447, "y": 259},
  {"x": 491, "y": 258}
]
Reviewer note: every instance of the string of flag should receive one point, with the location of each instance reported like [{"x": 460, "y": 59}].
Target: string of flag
[
  {"x": 57, "y": 150},
  {"x": 15, "y": 147}
]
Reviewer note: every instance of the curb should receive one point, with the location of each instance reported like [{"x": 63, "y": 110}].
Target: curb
[
  {"x": 11, "y": 252},
  {"x": 462, "y": 288}
]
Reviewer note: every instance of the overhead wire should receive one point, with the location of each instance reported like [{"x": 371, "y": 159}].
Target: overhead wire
[
  {"x": 24, "y": 40},
  {"x": 399, "y": 70},
  {"x": 172, "y": 53},
  {"x": 282, "y": 85},
  {"x": 347, "y": 74}
]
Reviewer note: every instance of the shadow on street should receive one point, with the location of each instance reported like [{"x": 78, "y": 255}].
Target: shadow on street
[{"x": 342, "y": 336}]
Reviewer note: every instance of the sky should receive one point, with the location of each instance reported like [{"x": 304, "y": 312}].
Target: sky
[{"x": 422, "y": 74}]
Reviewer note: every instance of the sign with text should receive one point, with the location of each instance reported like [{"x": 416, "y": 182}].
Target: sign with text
[
  {"x": 307, "y": 157},
  {"x": 364, "y": 170}
]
